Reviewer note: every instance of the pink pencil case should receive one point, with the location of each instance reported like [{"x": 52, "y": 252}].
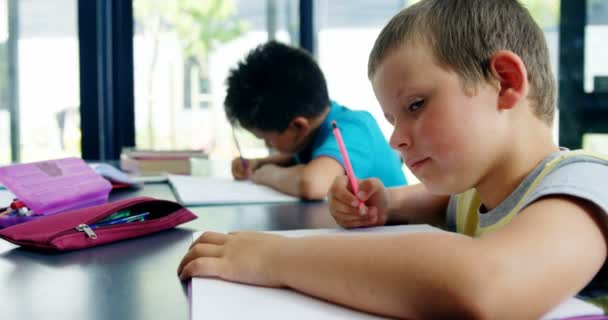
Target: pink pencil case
[
  {"x": 53, "y": 186},
  {"x": 81, "y": 228}
]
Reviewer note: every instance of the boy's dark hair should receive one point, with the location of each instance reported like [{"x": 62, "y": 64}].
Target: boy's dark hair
[
  {"x": 464, "y": 34},
  {"x": 274, "y": 84}
]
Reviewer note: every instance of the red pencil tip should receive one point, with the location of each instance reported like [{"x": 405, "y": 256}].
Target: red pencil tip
[{"x": 334, "y": 124}]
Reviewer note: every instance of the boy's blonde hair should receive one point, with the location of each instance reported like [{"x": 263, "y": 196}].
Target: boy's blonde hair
[{"x": 464, "y": 34}]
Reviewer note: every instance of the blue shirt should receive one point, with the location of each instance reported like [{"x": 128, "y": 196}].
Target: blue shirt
[{"x": 368, "y": 150}]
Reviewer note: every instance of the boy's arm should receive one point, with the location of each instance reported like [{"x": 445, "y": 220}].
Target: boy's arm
[
  {"x": 309, "y": 181},
  {"x": 279, "y": 159},
  {"x": 244, "y": 168},
  {"x": 544, "y": 255}
]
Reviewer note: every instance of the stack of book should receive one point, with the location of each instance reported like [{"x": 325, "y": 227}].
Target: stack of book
[{"x": 158, "y": 161}]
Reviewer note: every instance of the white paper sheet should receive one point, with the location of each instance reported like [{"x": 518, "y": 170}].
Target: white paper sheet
[
  {"x": 573, "y": 307},
  {"x": 6, "y": 197},
  {"x": 211, "y": 191},
  {"x": 219, "y": 299}
]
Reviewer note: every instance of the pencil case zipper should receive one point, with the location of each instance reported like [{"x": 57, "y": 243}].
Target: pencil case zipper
[{"x": 85, "y": 226}]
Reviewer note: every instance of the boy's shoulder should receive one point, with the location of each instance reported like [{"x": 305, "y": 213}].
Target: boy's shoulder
[
  {"x": 346, "y": 116},
  {"x": 579, "y": 174},
  {"x": 565, "y": 156}
]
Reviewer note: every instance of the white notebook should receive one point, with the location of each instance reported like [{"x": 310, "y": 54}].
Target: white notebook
[
  {"x": 219, "y": 299},
  {"x": 192, "y": 191}
]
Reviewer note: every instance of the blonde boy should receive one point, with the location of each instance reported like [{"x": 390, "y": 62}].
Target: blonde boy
[{"x": 468, "y": 88}]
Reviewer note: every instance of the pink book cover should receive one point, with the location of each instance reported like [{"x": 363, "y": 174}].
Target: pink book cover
[{"x": 53, "y": 186}]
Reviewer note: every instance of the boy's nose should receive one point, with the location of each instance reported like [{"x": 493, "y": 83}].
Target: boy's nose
[{"x": 400, "y": 139}]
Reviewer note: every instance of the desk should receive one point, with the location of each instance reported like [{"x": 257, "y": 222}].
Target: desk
[{"x": 133, "y": 279}]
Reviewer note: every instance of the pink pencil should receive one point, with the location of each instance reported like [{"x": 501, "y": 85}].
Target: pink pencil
[
  {"x": 347, "y": 166},
  {"x": 244, "y": 161}
]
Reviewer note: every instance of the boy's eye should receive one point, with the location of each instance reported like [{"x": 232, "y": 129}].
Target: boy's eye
[
  {"x": 417, "y": 105},
  {"x": 390, "y": 119}
]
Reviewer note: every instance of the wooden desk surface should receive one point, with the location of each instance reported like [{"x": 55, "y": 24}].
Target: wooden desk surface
[{"x": 133, "y": 279}]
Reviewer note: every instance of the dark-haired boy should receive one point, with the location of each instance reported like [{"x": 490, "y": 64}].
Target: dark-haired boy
[{"x": 279, "y": 94}]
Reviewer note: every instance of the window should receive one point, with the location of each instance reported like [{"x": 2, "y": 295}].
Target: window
[
  {"x": 45, "y": 85},
  {"x": 183, "y": 51},
  {"x": 596, "y": 48},
  {"x": 546, "y": 14},
  {"x": 5, "y": 136},
  {"x": 348, "y": 29},
  {"x": 347, "y": 32},
  {"x": 596, "y": 69}
]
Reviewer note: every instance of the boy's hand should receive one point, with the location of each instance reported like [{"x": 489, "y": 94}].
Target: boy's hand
[
  {"x": 245, "y": 257},
  {"x": 264, "y": 174},
  {"x": 241, "y": 172},
  {"x": 344, "y": 206}
]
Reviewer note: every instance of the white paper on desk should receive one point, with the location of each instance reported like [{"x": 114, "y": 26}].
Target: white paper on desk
[
  {"x": 219, "y": 299},
  {"x": 573, "y": 307},
  {"x": 209, "y": 191},
  {"x": 6, "y": 197}
]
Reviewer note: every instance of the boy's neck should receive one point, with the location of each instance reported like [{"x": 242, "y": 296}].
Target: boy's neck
[
  {"x": 517, "y": 161},
  {"x": 317, "y": 121},
  {"x": 315, "y": 124}
]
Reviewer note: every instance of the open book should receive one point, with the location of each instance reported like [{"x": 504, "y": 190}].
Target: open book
[{"x": 219, "y": 299}]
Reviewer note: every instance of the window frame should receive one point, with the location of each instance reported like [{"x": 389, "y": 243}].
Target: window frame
[
  {"x": 105, "y": 34},
  {"x": 579, "y": 112}
]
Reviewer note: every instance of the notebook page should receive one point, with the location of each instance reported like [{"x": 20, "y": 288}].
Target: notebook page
[
  {"x": 209, "y": 191},
  {"x": 573, "y": 307},
  {"x": 214, "y": 298}
]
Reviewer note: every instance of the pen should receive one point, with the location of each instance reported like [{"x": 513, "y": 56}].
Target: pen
[
  {"x": 133, "y": 218},
  {"x": 238, "y": 148},
  {"x": 347, "y": 166}
]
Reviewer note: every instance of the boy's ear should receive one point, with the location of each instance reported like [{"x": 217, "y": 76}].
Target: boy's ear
[
  {"x": 510, "y": 71},
  {"x": 301, "y": 125}
]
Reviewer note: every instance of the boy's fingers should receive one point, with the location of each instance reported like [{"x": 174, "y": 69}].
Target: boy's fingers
[
  {"x": 200, "y": 250},
  {"x": 339, "y": 206},
  {"x": 353, "y": 219},
  {"x": 372, "y": 217},
  {"x": 373, "y": 211},
  {"x": 353, "y": 214},
  {"x": 368, "y": 187},
  {"x": 239, "y": 174},
  {"x": 345, "y": 217},
  {"x": 206, "y": 250},
  {"x": 211, "y": 237},
  {"x": 201, "y": 267},
  {"x": 362, "y": 210},
  {"x": 356, "y": 224},
  {"x": 338, "y": 192},
  {"x": 341, "y": 182},
  {"x": 345, "y": 198}
]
